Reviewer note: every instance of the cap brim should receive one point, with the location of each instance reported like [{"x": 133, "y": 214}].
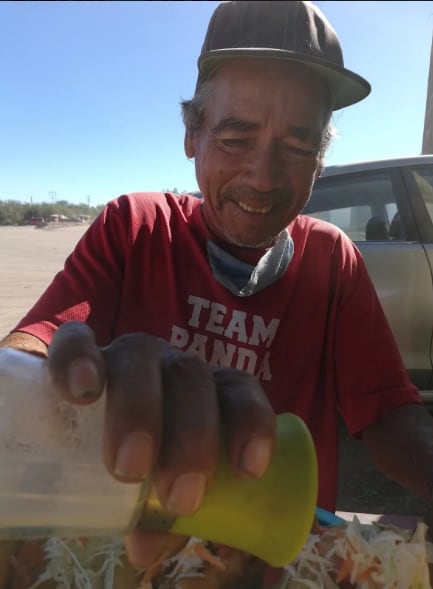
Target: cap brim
[{"x": 347, "y": 87}]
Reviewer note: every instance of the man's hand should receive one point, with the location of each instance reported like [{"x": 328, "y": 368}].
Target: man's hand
[{"x": 164, "y": 411}]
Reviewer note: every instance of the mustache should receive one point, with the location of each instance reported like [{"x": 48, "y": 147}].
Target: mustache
[{"x": 249, "y": 194}]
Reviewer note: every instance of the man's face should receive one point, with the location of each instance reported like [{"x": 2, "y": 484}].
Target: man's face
[{"x": 257, "y": 152}]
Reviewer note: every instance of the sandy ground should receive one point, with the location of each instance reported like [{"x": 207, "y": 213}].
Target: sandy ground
[{"x": 29, "y": 259}]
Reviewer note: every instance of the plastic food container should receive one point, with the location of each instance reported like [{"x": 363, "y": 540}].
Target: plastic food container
[{"x": 53, "y": 481}]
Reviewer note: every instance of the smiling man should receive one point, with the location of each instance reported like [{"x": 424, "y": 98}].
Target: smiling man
[
  {"x": 235, "y": 307},
  {"x": 258, "y": 148}
]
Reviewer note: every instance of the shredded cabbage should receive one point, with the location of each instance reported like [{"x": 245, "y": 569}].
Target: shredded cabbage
[
  {"x": 364, "y": 556},
  {"x": 81, "y": 564},
  {"x": 356, "y": 555}
]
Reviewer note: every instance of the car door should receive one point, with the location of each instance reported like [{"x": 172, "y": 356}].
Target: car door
[
  {"x": 419, "y": 183},
  {"x": 372, "y": 207}
]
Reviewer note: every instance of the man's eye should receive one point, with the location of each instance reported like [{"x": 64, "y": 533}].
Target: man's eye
[
  {"x": 233, "y": 142},
  {"x": 301, "y": 152}
]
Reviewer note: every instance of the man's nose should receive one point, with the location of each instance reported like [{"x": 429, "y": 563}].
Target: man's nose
[{"x": 265, "y": 171}]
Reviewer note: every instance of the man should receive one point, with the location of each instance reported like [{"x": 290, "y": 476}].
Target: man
[{"x": 256, "y": 296}]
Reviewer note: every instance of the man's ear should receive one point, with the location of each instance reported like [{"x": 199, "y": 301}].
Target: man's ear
[{"x": 188, "y": 144}]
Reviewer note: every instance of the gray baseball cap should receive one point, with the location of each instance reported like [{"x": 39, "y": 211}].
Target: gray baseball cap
[{"x": 293, "y": 30}]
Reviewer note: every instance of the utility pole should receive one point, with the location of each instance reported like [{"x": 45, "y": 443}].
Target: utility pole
[
  {"x": 52, "y": 195},
  {"x": 427, "y": 139}
]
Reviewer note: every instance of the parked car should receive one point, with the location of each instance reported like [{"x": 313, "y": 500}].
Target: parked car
[
  {"x": 34, "y": 221},
  {"x": 386, "y": 208}
]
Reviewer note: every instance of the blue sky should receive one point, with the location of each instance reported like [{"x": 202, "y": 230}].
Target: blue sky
[{"x": 90, "y": 91}]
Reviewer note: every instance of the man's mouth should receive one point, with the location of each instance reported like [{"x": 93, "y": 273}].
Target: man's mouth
[{"x": 257, "y": 208}]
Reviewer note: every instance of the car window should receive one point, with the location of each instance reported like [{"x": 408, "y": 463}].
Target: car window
[
  {"x": 364, "y": 206},
  {"x": 424, "y": 180}
]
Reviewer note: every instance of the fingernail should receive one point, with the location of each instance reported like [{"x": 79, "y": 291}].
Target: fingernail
[
  {"x": 134, "y": 458},
  {"x": 255, "y": 457},
  {"x": 187, "y": 493},
  {"x": 83, "y": 378}
]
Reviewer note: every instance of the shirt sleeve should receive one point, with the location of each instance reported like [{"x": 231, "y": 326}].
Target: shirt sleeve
[
  {"x": 371, "y": 375},
  {"x": 88, "y": 288}
]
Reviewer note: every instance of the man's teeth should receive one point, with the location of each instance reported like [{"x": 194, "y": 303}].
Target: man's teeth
[{"x": 254, "y": 209}]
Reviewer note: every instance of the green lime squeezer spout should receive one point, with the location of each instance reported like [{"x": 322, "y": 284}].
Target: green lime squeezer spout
[{"x": 270, "y": 517}]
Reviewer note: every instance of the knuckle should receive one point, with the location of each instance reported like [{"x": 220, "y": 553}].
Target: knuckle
[
  {"x": 198, "y": 447},
  {"x": 188, "y": 368},
  {"x": 130, "y": 355},
  {"x": 132, "y": 343},
  {"x": 75, "y": 332},
  {"x": 243, "y": 387}
]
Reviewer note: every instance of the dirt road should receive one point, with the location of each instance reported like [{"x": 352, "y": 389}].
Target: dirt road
[{"x": 29, "y": 259}]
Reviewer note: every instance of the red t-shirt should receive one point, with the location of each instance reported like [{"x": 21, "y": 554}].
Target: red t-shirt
[{"x": 317, "y": 338}]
